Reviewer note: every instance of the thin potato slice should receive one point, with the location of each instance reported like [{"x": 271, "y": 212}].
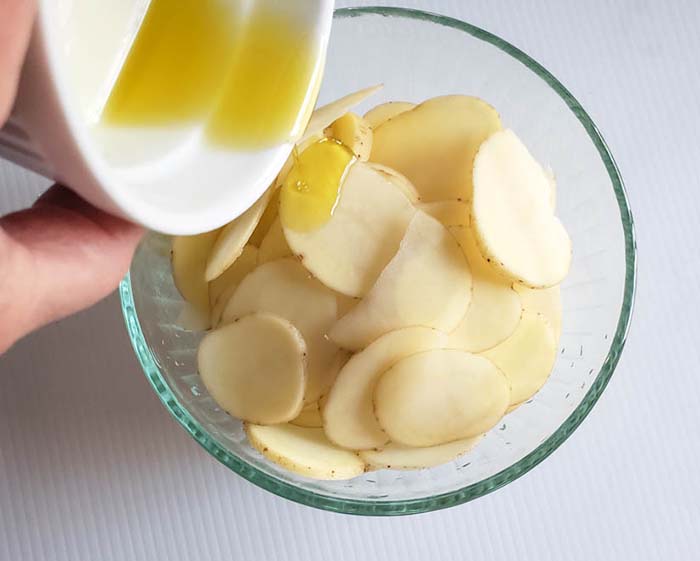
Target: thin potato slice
[
  {"x": 396, "y": 456},
  {"x": 323, "y": 116},
  {"x": 305, "y": 451},
  {"x": 382, "y": 113},
  {"x": 267, "y": 219},
  {"x": 349, "y": 251},
  {"x": 286, "y": 289},
  {"x": 494, "y": 310},
  {"x": 545, "y": 301},
  {"x": 255, "y": 368},
  {"x": 427, "y": 283},
  {"x": 222, "y": 288},
  {"x": 401, "y": 181},
  {"x": 189, "y": 260},
  {"x": 434, "y": 144},
  {"x": 512, "y": 214},
  {"x": 309, "y": 417},
  {"x": 526, "y": 357},
  {"x": 440, "y": 396},
  {"x": 448, "y": 213},
  {"x": 355, "y": 133},
  {"x": 348, "y": 413},
  {"x": 274, "y": 245},
  {"x": 233, "y": 238},
  {"x": 552, "y": 188}
]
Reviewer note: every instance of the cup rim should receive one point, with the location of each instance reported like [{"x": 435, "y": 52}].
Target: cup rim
[{"x": 378, "y": 507}]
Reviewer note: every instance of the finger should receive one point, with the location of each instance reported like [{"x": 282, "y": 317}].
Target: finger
[
  {"x": 58, "y": 257},
  {"x": 16, "y": 17}
]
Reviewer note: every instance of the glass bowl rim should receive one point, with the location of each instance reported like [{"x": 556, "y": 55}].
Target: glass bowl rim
[{"x": 374, "y": 507}]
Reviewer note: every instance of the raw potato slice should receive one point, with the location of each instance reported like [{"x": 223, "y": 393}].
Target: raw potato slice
[
  {"x": 322, "y": 117},
  {"x": 396, "y": 456},
  {"x": 255, "y": 368},
  {"x": 440, "y": 396},
  {"x": 427, "y": 283},
  {"x": 399, "y": 180},
  {"x": 545, "y": 301},
  {"x": 349, "y": 251},
  {"x": 222, "y": 288},
  {"x": 189, "y": 261},
  {"x": 355, "y": 133},
  {"x": 448, "y": 213},
  {"x": 512, "y": 214},
  {"x": 495, "y": 308},
  {"x": 382, "y": 113},
  {"x": 305, "y": 451},
  {"x": 267, "y": 219},
  {"x": 348, "y": 413},
  {"x": 434, "y": 144},
  {"x": 274, "y": 245},
  {"x": 309, "y": 417},
  {"x": 233, "y": 238},
  {"x": 286, "y": 289},
  {"x": 552, "y": 188},
  {"x": 526, "y": 357}
]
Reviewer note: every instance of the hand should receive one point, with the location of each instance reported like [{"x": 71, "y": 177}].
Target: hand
[{"x": 61, "y": 255}]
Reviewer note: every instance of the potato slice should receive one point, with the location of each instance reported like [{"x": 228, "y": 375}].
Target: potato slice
[
  {"x": 434, "y": 144},
  {"x": 305, "y": 451},
  {"x": 440, "y": 396},
  {"x": 494, "y": 310},
  {"x": 323, "y": 116},
  {"x": 221, "y": 289},
  {"x": 274, "y": 245},
  {"x": 512, "y": 214},
  {"x": 286, "y": 289},
  {"x": 255, "y": 368},
  {"x": 427, "y": 283},
  {"x": 267, "y": 219},
  {"x": 349, "y": 251},
  {"x": 309, "y": 417},
  {"x": 545, "y": 301},
  {"x": 382, "y": 113},
  {"x": 448, "y": 213},
  {"x": 355, "y": 133},
  {"x": 396, "y": 456},
  {"x": 552, "y": 188},
  {"x": 189, "y": 260},
  {"x": 526, "y": 357},
  {"x": 233, "y": 238},
  {"x": 399, "y": 180},
  {"x": 348, "y": 413}
]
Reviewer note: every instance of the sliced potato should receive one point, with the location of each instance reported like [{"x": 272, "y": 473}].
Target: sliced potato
[
  {"x": 434, "y": 144},
  {"x": 189, "y": 260},
  {"x": 267, "y": 219},
  {"x": 348, "y": 413},
  {"x": 323, "y": 116},
  {"x": 309, "y": 417},
  {"x": 399, "y": 180},
  {"x": 526, "y": 357},
  {"x": 494, "y": 310},
  {"x": 427, "y": 283},
  {"x": 355, "y": 133},
  {"x": 396, "y": 456},
  {"x": 440, "y": 396},
  {"x": 512, "y": 214},
  {"x": 233, "y": 238},
  {"x": 255, "y": 368},
  {"x": 274, "y": 245},
  {"x": 382, "y": 113},
  {"x": 545, "y": 301},
  {"x": 448, "y": 213},
  {"x": 305, "y": 451},
  {"x": 349, "y": 251},
  {"x": 286, "y": 289},
  {"x": 552, "y": 188},
  {"x": 222, "y": 288}
]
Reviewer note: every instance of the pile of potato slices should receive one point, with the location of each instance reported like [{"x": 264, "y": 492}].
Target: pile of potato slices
[{"x": 403, "y": 328}]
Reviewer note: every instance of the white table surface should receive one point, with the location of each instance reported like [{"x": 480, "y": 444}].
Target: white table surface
[{"x": 93, "y": 467}]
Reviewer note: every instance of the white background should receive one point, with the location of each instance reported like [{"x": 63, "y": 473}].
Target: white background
[{"x": 93, "y": 467}]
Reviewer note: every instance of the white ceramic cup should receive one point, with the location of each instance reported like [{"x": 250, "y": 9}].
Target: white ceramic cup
[{"x": 166, "y": 179}]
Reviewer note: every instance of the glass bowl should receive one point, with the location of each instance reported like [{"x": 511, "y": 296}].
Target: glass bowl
[{"x": 419, "y": 55}]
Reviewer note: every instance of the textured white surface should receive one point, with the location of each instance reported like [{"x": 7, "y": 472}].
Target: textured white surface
[{"x": 92, "y": 467}]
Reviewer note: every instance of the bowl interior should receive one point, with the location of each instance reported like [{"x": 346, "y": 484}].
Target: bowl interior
[{"x": 417, "y": 56}]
